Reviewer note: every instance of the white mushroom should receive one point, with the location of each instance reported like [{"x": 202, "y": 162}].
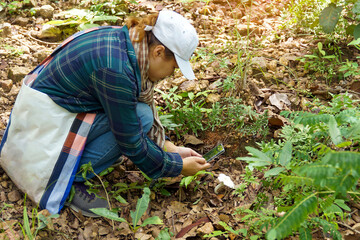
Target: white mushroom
[{"x": 225, "y": 181}]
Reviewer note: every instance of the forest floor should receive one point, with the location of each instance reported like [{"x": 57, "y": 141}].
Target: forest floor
[{"x": 192, "y": 212}]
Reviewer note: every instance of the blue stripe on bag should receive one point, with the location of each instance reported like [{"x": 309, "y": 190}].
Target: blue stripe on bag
[
  {"x": 62, "y": 177},
  {"x": 5, "y": 135}
]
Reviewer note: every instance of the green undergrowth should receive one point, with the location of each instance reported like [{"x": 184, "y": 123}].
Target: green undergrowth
[{"x": 316, "y": 166}]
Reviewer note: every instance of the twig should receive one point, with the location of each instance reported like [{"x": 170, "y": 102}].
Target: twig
[
  {"x": 347, "y": 226},
  {"x": 107, "y": 196},
  {"x": 35, "y": 39}
]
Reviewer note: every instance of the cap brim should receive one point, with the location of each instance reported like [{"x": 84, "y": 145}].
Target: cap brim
[{"x": 185, "y": 68}]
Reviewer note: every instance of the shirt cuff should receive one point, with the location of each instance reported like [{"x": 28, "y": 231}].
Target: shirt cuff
[{"x": 173, "y": 165}]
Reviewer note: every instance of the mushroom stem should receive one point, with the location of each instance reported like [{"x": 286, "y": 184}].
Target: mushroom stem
[{"x": 219, "y": 187}]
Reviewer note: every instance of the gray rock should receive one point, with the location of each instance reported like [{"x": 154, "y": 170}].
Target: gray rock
[
  {"x": 46, "y": 11},
  {"x": 21, "y": 21},
  {"x": 6, "y": 85},
  {"x": 213, "y": 98},
  {"x": 259, "y": 63},
  {"x": 50, "y": 32},
  {"x": 18, "y": 73},
  {"x": 41, "y": 55},
  {"x": 5, "y": 30}
]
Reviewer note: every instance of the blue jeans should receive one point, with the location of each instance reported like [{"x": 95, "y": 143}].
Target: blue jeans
[{"x": 101, "y": 148}]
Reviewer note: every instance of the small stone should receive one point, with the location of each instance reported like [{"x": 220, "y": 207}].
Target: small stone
[
  {"x": 14, "y": 196},
  {"x": 41, "y": 55},
  {"x": 46, "y": 11},
  {"x": 213, "y": 97},
  {"x": 21, "y": 21},
  {"x": 4, "y": 184},
  {"x": 284, "y": 61},
  {"x": 272, "y": 65},
  {"x": 6, "y": 30},
  {"x": 49, "y": 32},
  {"x": 188, "y": 86},
  {"x": 3, "y": 197},
  {"x": 18, "y": 73},
  {"x": 259, "y": 63},
  {"x": 6, "y": 85}
]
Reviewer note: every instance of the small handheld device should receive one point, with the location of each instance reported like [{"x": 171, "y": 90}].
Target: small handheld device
[{"x": 213, "y": 153}]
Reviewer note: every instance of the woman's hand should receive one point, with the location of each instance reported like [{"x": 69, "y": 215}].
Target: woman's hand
[
  {"x": 191, "y": 165},
  {"x": 192, "y": 161},
  {"x": 183, "y": 151}
]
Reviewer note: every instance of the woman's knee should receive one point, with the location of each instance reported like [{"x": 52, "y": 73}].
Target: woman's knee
[{"x": 146, "y": 116}]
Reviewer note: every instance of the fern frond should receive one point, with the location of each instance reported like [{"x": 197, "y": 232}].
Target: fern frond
[
  {"x": 312, "y": 118},
  {"x": 305, "y": 233},
  {"x": 293, "y": 218},
  {"x": 329, "y": 228},
  {"x": 346, "y": 182},
  {"x": 327, "y": 202},
  {"x": 318, "y": 172},
  {"x": 345, "y": 160},
  {"x": 296, "y": 180}
]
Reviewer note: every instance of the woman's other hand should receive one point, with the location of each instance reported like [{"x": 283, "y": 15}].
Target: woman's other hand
[{"x": 191, "y": 165}]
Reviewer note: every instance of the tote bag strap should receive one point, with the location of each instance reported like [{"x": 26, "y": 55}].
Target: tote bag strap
[
  {"x": 67, "y": 164},
  {"x": 34, "y": 73}
]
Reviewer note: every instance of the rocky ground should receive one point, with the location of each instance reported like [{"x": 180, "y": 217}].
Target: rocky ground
[{"x": 276, "y": 80}]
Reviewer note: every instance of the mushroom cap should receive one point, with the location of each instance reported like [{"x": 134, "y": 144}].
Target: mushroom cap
[{"x": 226, "y": 180}]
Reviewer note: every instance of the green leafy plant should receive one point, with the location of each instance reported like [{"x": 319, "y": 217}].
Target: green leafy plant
[
  {"x": 39, "y": 222},
  {"x": 255, "y": 220},
  {"x": 260, "y": 159},
  {"x": 141, "y": 206},
  {"x": 323, "y": 64},
  {"x": 228, "y": 230},
  {"x": 82, "y": 19},
  {"x": 330, "y": 16},
  {"x": 186, "y": 181}
]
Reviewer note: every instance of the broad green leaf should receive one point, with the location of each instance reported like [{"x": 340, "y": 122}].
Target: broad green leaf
[
  {"x": 334, "y": 131},
  {"x": 63, "y": 22},
  {"x": 357, "y": 32},
  {"x": 104, "y": 18},
  {"x": 329, "y": 17},
  {"x": 274, "y": 172},
  {"x": 121, "y": 199},
  {"x": 151, "y": 220},
  {"x": 344, "y": 144},
  {"x": 27, "y": 224},
  {"x": 164, "y": 235},
  {"x": 258, "y": 154},
  {"x": 305, "y": 233},
  {"x": 252, "y": 159},
  {"x": 286, "y": 154},
  {"x": 106, "y": 171},
  {"x": 141, "y": 207},
  {"x": 85, "y": 26},
  {"x": 356, "y": 8},
  {"x": 104, "y": 212},
  {"x": 293, "y": 218}
]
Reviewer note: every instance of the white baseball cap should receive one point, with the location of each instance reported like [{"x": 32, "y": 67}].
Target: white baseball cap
[{"x": 179, "y": 36}]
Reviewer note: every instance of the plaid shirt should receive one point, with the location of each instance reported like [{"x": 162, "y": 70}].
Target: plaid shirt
[{"x": 98, "y": 71}]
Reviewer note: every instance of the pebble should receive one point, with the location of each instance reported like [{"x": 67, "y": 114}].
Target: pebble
[
  {"x": 4, "y": 184},
  {"x": 3, "y": 197},
  {"x": 14, "y": 196}
]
